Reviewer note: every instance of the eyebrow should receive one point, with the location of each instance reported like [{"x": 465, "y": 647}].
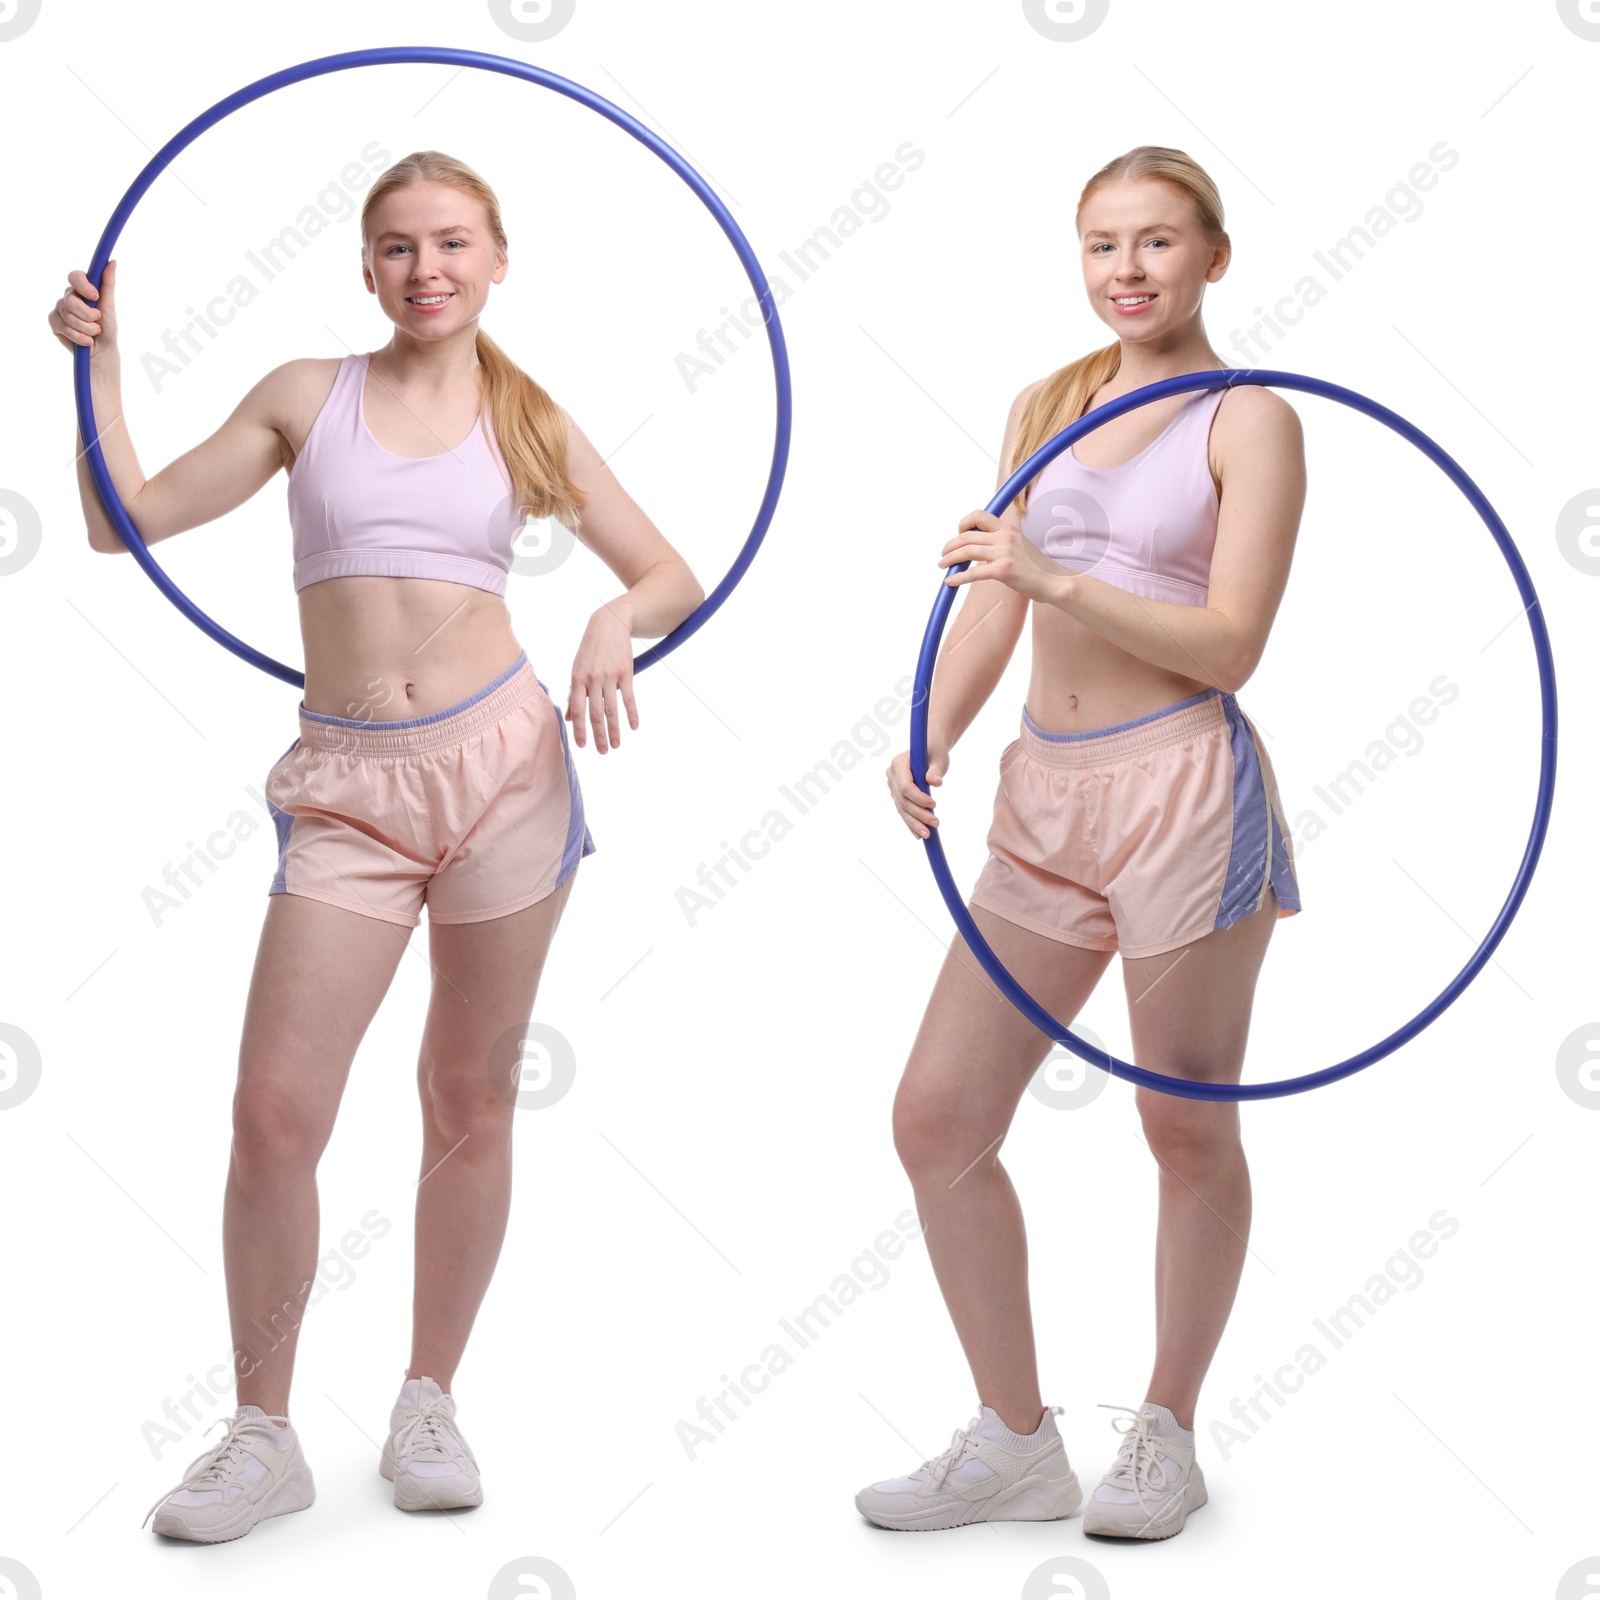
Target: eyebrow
[
  {"x": 392, "y": 234},
  {"x": 1149, "y": 227}
]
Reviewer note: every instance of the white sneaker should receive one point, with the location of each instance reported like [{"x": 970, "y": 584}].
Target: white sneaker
[
  {"x": 1154, "y": 1483},
  {"x": 432, "y": 1465},
  {"x": 257, "y": 1471},
  {"x": 982, "y": 1477}
]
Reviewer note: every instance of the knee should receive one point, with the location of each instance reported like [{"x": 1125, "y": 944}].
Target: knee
[
  {"x": 272, "y": 1130},
  {"x": 928, "y": 1133},
  {"x": 465, "y": 1108},
  {"x": 1189, "y": 1137}
]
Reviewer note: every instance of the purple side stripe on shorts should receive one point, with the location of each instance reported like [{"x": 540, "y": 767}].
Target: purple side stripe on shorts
[
  {"x": 1283, "y": 884},
  {"x": 282, "y": 821},
  {"x": 1244, "y": 887},
  {"x": 579, "y": 841},
  {"x": 1259, "y": 853}
]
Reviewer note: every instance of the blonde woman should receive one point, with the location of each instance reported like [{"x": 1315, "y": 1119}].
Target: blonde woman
[
  {"x": 1137, "y": 814},
  {"x": 432, "y": 767}
]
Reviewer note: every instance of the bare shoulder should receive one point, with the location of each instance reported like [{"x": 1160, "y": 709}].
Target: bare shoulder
[
  {"x": 1020, "y": 404},
  {"x": 288, "y": 398},
  {"x": 307, "y": 380},
  {"x": 1250, "y": 417},
  {"x": 1014, "y": 416}
]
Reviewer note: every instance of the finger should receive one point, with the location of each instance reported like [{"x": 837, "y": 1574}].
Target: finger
[
  {"x": 597, "y": 716},
  {"x": 69, "y": 336},
  {"x": 574, "y": 714},
  {"x": 613, "y": 724},
  {"x": 627, "y": 697}
]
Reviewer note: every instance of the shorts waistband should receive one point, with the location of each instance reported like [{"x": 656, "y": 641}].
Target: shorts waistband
[
  {"x": 1152, "y": 731},
  {"x": 366, "y": 736}
]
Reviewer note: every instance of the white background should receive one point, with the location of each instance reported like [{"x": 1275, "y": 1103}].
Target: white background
[{"x": 724, "y": 1155}]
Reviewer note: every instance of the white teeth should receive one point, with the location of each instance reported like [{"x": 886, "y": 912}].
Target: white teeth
[
  {"x": 1133, "y": 299},
  {"x": 429, "y": 299}
]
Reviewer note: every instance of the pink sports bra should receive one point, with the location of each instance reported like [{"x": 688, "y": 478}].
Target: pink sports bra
[
  {"x": 1147, "y": 525},
  {"x": 357, "y": 508}
]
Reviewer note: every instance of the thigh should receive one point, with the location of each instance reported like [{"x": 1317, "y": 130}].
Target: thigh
[
  {"x": 975, "y": 1052},
  {"x": 485, "y": 979},
  {"x": 319, "y": 976},
  {"x": 1189, "y": 1015}
]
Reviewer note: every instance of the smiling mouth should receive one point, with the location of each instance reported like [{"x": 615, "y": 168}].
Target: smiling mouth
[
  {"x": 1131, "y": 299},
  {"x": 428, "y": 299}
]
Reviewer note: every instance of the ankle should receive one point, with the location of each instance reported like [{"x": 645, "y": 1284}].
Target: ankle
[
  {"x": 428, "y": 1372},
  {"x": 1184, "y": 1418},
  {"x": 1020, "y": 1420},
  {"x": 272, "y": 1412}
]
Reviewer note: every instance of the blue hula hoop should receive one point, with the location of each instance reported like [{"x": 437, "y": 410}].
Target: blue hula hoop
[
  {"x": 1008, "y": 986},
  {"x": 450, "y": 58}
]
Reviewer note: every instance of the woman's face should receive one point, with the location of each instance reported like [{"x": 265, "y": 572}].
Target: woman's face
[
  {"x": 431, "y": 259},
  {"x": 1142, "y": 243}
]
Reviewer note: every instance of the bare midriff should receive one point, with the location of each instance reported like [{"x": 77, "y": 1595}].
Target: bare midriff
[
  {"x": 384, "y": 649},
  {"x": 1081, "y": 681}
]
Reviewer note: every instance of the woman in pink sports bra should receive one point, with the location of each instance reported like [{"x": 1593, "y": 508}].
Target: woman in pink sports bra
[
  {"x": 1136, "y": 814},
  {"x": 432, "y": 767}
]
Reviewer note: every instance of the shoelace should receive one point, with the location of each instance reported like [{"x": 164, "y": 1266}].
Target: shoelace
[
  {"x": 962, "y": 1445},
  {"x": 210, "y": 1469},
  {"x": 1138, "y": 1463},
  {"x": 423, "y": 1435},
  {"x": 941, "y": 1466}
]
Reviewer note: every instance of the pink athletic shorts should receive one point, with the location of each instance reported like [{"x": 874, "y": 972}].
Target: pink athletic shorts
[
  {"x": 474, "y": 810},
  {"x": 1140, "y": 837}
]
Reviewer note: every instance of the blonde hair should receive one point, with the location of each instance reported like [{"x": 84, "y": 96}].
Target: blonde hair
[
  {"x": 1064, "y": 396},
  {"x": 528, "y": 425}
]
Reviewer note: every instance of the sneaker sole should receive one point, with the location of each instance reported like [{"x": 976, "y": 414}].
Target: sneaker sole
[
  {"x": 1107, "y": 1521},
  {"x": 294, "y": 1492},
  {"x": 1032, "y": 1499}
]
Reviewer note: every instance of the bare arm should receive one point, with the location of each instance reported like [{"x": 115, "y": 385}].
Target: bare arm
[
  {"x": 660, "y": 592},
  {"x": 1261, "y": 456},
  {"x": 200, "y": 486},
  {"x": 660, "y": 588},
  {"x": 974, "y": 654},
  {"x": 204, "y": 483},
  {"x": 981, "y": 640}
]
